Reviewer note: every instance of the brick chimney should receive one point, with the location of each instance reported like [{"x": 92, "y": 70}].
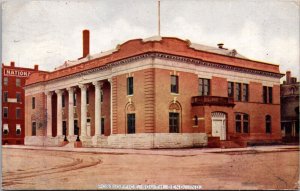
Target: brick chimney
[
  {"x": 288, "y": 77},
  {"x": 36, "y": 67},
  {"x": 12, "y": 64},
  {"x": 85, "y": 43}
]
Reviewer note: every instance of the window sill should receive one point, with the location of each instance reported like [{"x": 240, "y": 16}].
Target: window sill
[
  {"x": 195, "y": 126},
  {"x": 130, "y": 95},
  {"x": 175, "y": 94}
]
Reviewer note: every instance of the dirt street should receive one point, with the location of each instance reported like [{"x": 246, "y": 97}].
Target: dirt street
[{"x": 39, "y": 169}]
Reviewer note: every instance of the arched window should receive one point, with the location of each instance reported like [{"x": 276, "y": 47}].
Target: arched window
[
  {"x": 174, "y": 117},
  {"x": 268, "y": 124},
  {"x": 130, "y": 118}
]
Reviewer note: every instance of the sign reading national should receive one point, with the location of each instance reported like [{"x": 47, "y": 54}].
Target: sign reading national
[{"x": 18, "y": 73}]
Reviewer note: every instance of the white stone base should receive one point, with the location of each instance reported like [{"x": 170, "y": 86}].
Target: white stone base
[
  {"x": 133, "y": 141},
  {"x": 44, "y": 141},
  {"x": 99, "y": 141},
  {"x": 86, "y": 141},
  {"x": 157, "y": 140}
]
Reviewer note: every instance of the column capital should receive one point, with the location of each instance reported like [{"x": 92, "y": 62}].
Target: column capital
[
  {"x": 48, "y": 93},
  {"x": 98, "y": 84},
  {"x": 70, "y": 89},
  {"x": 58, "y": 91},
  {"x": 83, "y": 86},
  {"x": 109, "y": 80}
]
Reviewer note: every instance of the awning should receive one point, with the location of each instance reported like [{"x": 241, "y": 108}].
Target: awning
[
  {"x": 5, "y": 127},
  {"x": 18, "y": 126}
]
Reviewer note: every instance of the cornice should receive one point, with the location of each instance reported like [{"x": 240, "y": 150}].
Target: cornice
[{"x": 169, "y": 57}]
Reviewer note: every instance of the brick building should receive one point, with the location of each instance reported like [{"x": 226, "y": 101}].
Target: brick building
[
  {"x": 159, "y": 92},
  {"x": 289, "y": 94},
  {"x": 13, "y": 103}
]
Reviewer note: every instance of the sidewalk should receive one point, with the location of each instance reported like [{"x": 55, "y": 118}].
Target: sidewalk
[{"x": 171, "y": 152}]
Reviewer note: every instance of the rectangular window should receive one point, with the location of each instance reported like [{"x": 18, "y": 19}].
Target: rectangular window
[
  {"x": 245, "y": 123},
  {"x": 268, "y": 124},
  {"x": 87, "y": 97},
  {"x": 174, "y": 84},
  {"x": 270, "y": 93},
  {"x": 18, "y": 113},
  {"x": 204, "y": 87},
  {"x": 238, "y": 92},
  {"x": 33, "y": 102},
  {"x": 5, "y": 96},
  {"x": 102, "y": 125},
  {"x": 101, "y": 96},
  {"x": 130, "y": 86},
  {"x": 33, "y": 129},
  {"x": 18, "y": 82},
  {"x": 18, "y": 96},
  {"x": 5, "y": 112},
  {"x": 242, "y": 123},
  {"x": 238, "y": 123},
  {"x": 74, "y": 99},
  {"x": 174, "y": 122},
  {"x": 230, "y": 89},
  {"x": 63, "y": 101},
  {"x": 245, "y": 92},
  {"x": 265, "y": 94},
  {"x": 5, "y": 81},
  {"x": 131, "y": 123}
]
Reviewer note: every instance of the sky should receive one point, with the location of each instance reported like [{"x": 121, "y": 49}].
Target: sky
[{"x": 48, "y": 33}]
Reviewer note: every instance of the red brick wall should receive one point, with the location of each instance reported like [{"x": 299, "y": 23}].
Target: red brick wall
[
  {"x": 219, "y": 86},
  {"x": 255, "y": 92},
  {"x": 122, "y": 99},
  {"x": 38, "y": 114},
  {"x": 12, "y": 89},
  {"x": 188, "y": 87}
]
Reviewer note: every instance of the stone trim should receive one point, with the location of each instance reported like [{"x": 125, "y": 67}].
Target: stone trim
[{"x": 172, "y": 58}]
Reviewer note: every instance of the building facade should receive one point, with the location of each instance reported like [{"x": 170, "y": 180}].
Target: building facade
[
  {"x": 13, "y": 103},
  {"x": 159, "y": 92},
  {"x": 289, "y": 94}
]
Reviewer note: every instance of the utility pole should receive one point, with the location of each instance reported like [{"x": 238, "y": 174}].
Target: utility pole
[{"x": 158, "y": 17}]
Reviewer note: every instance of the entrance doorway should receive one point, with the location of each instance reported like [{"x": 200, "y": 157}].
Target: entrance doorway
[
  {"x": 64, "y": 128},
  {"x": 76, "y": 128},
  {"x": 219, "y": 125}
]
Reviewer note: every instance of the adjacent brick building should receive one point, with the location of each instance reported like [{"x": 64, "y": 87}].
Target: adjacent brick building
[
  {"x": 159, "y": 92},
  {"x": 289, "y": 94},
  {"x": 13, "y": 102}
]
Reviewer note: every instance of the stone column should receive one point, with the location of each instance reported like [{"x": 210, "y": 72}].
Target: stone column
[
  {"x": 49, "y": 113},
  {"x": 111, "y": 107},
  {"x": 98, "y": 86},
  {"x": 71, "y": 111},
  {"x": 83, "y": 110},
  {"x": 59, "y": 112}
]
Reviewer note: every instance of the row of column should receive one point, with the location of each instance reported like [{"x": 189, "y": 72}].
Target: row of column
[{"x": 83, "y": 124}]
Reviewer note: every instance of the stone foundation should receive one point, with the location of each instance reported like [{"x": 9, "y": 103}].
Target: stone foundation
[
  {"x": 44, "y": 141},
  {"x": 133, "y": 141}
]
